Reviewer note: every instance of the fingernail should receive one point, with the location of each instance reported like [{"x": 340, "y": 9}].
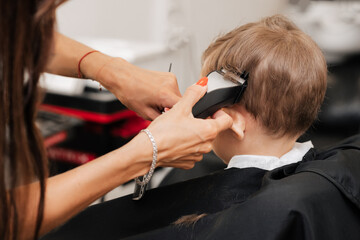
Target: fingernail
[
  {"x": 203, "y": 82},
  {"x": 166, "y": 109}
]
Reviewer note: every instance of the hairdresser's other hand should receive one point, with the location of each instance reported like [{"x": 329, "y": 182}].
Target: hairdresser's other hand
[
  {"x": 144, "y": 91},
  {"x": 182, "y": 139}
]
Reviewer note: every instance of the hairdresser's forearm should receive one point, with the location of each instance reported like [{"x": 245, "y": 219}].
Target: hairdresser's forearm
[
  {"x": 66, "y": 54},
  {"x": 143, "y": 91},
  {"x": 69, "y": 193}
]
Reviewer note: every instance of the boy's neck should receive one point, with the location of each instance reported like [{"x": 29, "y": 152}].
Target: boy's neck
[
  {"x": 265, "y": 145},
  {"x": 259, "y": 144},
  {"x": 248, "y": 137}
]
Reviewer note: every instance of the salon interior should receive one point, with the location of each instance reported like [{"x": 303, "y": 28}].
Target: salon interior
[{"x": 81, "y": 122}]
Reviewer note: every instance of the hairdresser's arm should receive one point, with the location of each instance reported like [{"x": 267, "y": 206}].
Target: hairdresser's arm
[
  {"x": 146, "y": 92},
  {"x": 181, "y": 141}
]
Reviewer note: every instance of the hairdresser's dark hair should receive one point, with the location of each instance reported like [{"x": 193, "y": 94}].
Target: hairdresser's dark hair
[{"x": 26, "y": 33}]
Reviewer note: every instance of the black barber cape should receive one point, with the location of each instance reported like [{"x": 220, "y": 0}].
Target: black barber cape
[{"x": 317, "y": 198}]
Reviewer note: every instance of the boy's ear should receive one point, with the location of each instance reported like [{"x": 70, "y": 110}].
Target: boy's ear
[{"x": 239, "y": 122}]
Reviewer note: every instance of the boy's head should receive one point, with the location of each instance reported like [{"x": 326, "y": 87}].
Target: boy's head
[{"x": 287, "y": 73}]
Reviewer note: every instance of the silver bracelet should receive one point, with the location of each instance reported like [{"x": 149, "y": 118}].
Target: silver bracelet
[{"x": 140, "y": 184}]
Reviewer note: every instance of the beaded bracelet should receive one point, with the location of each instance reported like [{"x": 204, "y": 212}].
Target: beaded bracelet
[{"x": 140, "y": 184}]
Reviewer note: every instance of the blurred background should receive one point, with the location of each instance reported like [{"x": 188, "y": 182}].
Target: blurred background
[{"x": 81, "y": 123}]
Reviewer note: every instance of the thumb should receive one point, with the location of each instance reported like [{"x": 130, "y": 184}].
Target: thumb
[{"x": 192, "y": 96}]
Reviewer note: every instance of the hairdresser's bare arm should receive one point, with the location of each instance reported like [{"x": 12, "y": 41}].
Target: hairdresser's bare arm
[
  {"x": 69, "y": 193},
  {"x": 181, "y": 141},
  {"x": 144, "y": 91}
]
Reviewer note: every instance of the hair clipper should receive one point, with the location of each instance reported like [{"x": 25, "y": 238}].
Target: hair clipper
[{"x": 220, "y": 93}]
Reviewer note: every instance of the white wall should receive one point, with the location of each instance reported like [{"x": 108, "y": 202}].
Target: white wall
[
  {"x": 206, "y": 19},
  {"x": 128, "y": 19},
  {"x": 183, "y": 27}
]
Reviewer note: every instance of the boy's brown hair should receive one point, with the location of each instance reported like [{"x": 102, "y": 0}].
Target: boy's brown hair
[{"x": 287, "y": 72}]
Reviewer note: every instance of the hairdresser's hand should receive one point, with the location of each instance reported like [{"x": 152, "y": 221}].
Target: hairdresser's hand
[
  {"x": 146, "y": 92},
  {"x": 183, "y": 139}
]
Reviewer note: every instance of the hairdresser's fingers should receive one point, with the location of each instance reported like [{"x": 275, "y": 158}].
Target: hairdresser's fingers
[
  {"x": 182, "y": 164},
  {"x": 185, "y": 160},
  {"x": 205, "y": 147},
  {"x": 197, "y": 158},
  {"x": 221, "y": 120},
  {"x": 191, "y": 148},
  {"x": 191, "y": 96},
  {"x": 187, "y": 166},
  {"x": 169, "y": 100},
  {"x": 150, "y": 114},
  {"x": 192, "y": 157}
]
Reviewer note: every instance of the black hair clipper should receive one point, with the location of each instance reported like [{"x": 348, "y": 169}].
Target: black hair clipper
[{"x": 220, "y": 93}]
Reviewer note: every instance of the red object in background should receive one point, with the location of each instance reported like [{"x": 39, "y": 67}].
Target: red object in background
[
  {"x": 89, "y": 116},
  {"x": 123, "y": 124},
  {"x": 70, "y": 156},
  {"x": 130, "y": 128},
  {"x": 54, "y": 139}
]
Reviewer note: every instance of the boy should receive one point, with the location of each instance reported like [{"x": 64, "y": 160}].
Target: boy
[
  {"x": 273, "y": 188},
  {"x": 286, "y": 86}
]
